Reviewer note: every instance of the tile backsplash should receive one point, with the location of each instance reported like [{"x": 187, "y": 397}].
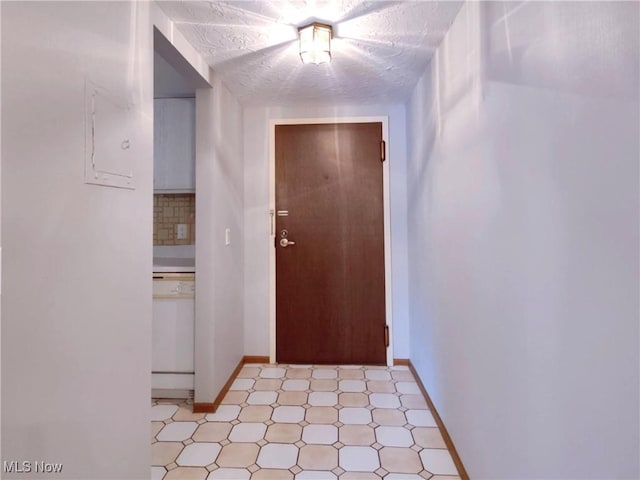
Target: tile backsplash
[{"x": 170, "y": 210}]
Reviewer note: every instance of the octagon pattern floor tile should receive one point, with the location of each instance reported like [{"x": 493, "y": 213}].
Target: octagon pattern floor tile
[{"x": 304, "y": 422}]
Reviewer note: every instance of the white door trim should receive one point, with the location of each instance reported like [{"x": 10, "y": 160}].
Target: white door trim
[{"x": 387, "y": 220}]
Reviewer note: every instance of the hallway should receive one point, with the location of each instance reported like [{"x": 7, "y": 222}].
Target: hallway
[
  {"x": 304, "y": 422},
  {"x": 513, "y": 237}
]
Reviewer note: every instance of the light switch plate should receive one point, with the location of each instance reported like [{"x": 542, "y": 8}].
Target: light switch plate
[{"x": 227, "y": 236}]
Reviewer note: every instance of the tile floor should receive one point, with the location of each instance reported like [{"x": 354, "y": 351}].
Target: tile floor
[{"x": 304, "y": 422}]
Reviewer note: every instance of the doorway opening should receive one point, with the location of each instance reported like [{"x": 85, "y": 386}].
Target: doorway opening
[{"x": 174, "y": 221}]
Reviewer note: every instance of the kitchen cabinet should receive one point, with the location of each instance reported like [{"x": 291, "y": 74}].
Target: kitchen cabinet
[{"x": 174, "y": 139}]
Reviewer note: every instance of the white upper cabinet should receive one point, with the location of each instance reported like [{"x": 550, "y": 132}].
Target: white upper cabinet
[{"x": 174, "y": 145}]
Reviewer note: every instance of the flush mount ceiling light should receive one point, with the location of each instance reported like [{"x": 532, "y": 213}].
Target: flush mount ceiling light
[{"x": 315, "y": 43}]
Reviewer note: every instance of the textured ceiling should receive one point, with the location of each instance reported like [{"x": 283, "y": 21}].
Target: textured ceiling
[{"x": 380, "y": 48}]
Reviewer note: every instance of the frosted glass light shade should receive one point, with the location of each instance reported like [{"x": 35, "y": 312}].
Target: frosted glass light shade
[{"x": 315, "y": 43}]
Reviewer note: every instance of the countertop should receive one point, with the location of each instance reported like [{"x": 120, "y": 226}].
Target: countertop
[{"x": 174, "y": 264}]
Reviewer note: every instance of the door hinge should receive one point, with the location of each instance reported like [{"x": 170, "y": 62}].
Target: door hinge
[
  {"x": 383, "y": 148},
  {"x": 386, "y": 336}
]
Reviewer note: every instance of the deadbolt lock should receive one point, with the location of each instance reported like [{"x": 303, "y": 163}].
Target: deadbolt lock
[{"x": 284, "y": 233}]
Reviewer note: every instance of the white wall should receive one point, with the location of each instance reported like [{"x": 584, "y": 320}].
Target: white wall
[
  {"x": 219, "y": 267},
  {"x": 257, "y": 221},
  {"x": 76, "y": 300},
  {"x": 523, "y": 238},
  {"x": 1, "y": 110}
]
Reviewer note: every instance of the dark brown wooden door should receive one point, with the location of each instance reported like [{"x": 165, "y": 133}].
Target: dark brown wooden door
[{"x": 330, "y": 289}]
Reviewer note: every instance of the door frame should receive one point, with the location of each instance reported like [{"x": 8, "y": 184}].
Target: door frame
[{"x": 386, "y": 213}]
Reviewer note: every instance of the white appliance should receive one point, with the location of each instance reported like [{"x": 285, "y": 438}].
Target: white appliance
[{"x": 173, "y": 335}]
